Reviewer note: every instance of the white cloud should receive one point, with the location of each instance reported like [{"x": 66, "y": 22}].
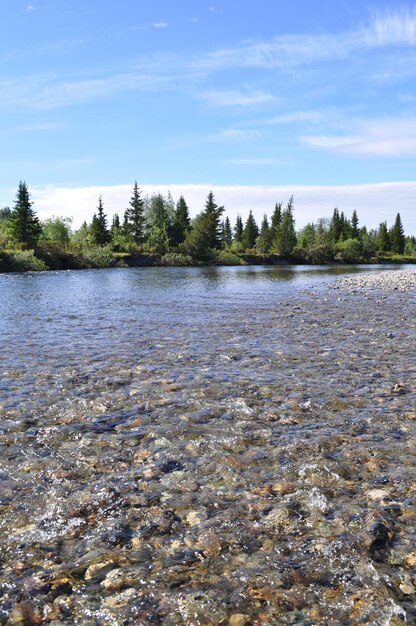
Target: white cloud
[
  {"x": 296, "y": 116},
  {"x": 237, "y": 134},
  {"x": 373, "y": 202},
  {"x": 390, "y": 136},
  {"x": 258, "y": 161},
  {"x": 30, "y": 8},
  {"x": 387, "y": 28},
  {"x": 160, "y": 25},
  {"x": 193, "y": 19},
  {"x": 236, "y": 98}
]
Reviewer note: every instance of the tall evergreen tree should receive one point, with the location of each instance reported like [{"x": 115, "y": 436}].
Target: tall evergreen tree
[
  {"x": 383, "y": 239},
  {"x": 212, "y": 209},
  {"x": 99, "y": 226},
  {"x": 397, "y": 236},
  {"x": 134, "y": 216},
  {"x": 227, "y": 235},
  {"x": 238, "y": 229},
  {"x": 250, "y": 232},
  {"x": 276, "y": 220},
  {"x": 25, "y": 225},
  {"x": 355, "y": 232},
  {"x": 335, "y": 226},
  {"x": 264, "y": 240},
  {"x": 181, "y": 222},
  {"x": 287, "y": 239}
]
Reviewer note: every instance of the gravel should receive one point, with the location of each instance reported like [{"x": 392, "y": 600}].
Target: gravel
[{"x": 385, "y": 280}]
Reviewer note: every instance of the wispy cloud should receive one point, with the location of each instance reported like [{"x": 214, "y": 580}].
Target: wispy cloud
[
  {"x": 160, "y": 25},
  {"x": 237, "y": 134},
  {"x": 387, "y": 28},
  {"x": 392, "y": 136},
  {"x": 296, "y": 116},
  {"x": 230, "y": 98},
  {"x": 261, "y": 161},
  {"x": 30, "y": 8}
]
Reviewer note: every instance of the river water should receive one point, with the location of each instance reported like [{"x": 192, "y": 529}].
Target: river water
[{"x": 188, "y": 446}]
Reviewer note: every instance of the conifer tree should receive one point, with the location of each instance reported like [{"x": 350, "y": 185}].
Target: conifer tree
[
  {"x": 264, "y": 240},
  {"x": 25, "y": 225},
  {"x": 99, "y": 227},
  {"x": 383, "y": 239},
  {"x": 250, "y": 232},
  {"x": 287, "y": 239},
  {"x": 355, "y": 232},
  {"x": 276, "y": 217},
  {"x": 134, "y": 216},
  {"x": 181, "y": 222},
  {"x": 397, "y": 237},
  {"x": 212, "y": 209},
  {"x": 227, "y": 235},
  {"x": 238, "y": 229}
]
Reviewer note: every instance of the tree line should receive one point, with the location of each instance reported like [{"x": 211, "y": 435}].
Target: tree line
[{"x": 157, "y": 224}]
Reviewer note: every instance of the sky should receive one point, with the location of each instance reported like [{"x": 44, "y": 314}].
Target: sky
[{"x": 254, "y": 100}]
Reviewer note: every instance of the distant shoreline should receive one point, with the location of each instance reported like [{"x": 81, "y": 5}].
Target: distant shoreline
[{"x": 28, "y": 260}]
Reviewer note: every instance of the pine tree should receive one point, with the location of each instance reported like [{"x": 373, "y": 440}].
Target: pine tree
[
  {"x": 181, "y": 222},
  {"x": 25, "y": 225},
  {"x": 99, "y": 227},
  {"x": 250, "y": 232},
  {"x": 238, "y": 229},
  {"x": 397, "y": 237},
  {"x": 212, "y": 209},
  {"x": 134, "y": 216}
]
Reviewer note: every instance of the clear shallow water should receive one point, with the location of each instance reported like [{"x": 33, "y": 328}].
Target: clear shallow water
[{"x": 221, "y": 441}]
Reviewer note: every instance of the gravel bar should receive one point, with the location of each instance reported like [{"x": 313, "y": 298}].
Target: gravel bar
[{"x": 386, "y": 280}]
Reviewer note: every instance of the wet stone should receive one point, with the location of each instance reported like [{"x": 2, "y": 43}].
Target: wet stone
[{"x": 148, "y": 479}]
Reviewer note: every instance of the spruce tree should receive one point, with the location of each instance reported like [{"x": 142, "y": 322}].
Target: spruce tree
[
  {"x": 99, "y": 227},
  {"x": 287, "y": 239},
  {"x": 383, "y": 239},
  {"x": 227, "y": 235},
  {"x": 134, "y": 216},
  {"x": 25, "y": 225},
  {"x": 276, "y": 219},
  {"x": 397, "y": 237},
  {"x": 238, "y": 229},
  {"x": 355, "y": 232},
  {"x": 181, "y": 222},
  {"x": 264, "y": 240},
  {"x": 212, "y": 209},
  {"x": 250, "y": 232}
]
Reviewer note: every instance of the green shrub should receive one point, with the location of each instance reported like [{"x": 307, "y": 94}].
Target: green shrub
[
  {"x": 26, "y": 261},
  {"x": 99, "y": 256},
  {"x": 227, "y": 258},
  {"x": 175, "y": 259}
]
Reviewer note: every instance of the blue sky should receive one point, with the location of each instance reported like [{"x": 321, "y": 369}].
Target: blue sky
[{"x": 256, "y": 100}]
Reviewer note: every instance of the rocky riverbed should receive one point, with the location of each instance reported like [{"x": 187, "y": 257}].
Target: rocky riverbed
[{"x": 256, "y": 470}]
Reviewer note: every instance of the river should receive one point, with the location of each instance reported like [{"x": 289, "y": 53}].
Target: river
[{"x": 185, "y": 446}]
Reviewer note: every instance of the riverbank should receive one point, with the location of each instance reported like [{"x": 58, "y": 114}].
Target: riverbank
[
  {"x": 186, "y": 467},
  {"x": 45, "y": 259}
]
